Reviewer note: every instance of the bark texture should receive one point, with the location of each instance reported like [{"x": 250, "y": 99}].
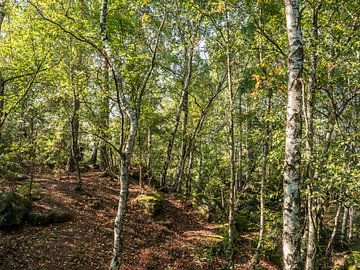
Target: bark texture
[
  {"x": 126, "y": 151},
  {"x": 308, "y": 113},
  {"x": 291, "y": 222}
]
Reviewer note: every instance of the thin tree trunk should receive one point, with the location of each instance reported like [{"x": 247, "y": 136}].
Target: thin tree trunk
[
  {"x": 312, "y": 235},
  {"x": 262, "y": 200},
  {"x": 265, "y": 147},
  {"x": 2, "y": 81},
  {"x": 75, "y": 149},
  {"x": 308, "y": 112},
  {"x": 291, "y": 221},
  {"x": 149, "y": 147},
  {"x": 104, "y": 124},
  {"x": 183, "y": 106},
  {"x": 127, "y": 148},
  {"x": 168, "y": 157},
  {"x": 2, "y": 96},
  {"x": 344, "y": 225},
  {"x": 334, "y": 231},
  {"x": 141, "y": 176},
  {"x": 351, "y": 222},
  {"x": 127, "y": 145},
  {"x": 32, "y": 156},
  {"x": 196, "y": 133},
  {"x": 184, "y": 141},
  {"x": 94, "y": 154},
  {"x": 232, "y": 198}
]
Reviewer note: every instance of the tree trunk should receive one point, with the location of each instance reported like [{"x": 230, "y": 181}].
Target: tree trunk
[
  {"x": 2, "y": 95},
  {"x": 185, "y": 108},
  {"x": 262, "y": 202},
  {"x": 121, "y": 212},
  {"x": 75, "y": 148},
  {"x": 351, "y": 222},
  {"x": 94, "y": 154},
  {"x": 344, "y": 225},
  {"x": 104, "y": 124},
  {"x": 291, "y": 221},
  {"x": 196, "y": 133},
  {"x": 333, "y": 234},
  {"x": 168, "y": 157},
  {"x": 232, "y": 198},
  {"x": 2, "y": 81},
  {"x": 312, "y": 235},
  {"x": 308, "y": 113},
  {"x": 127, "y": 145},
  {"x": 149, "y": 147}
]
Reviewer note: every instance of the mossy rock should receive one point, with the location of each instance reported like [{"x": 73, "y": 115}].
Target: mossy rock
[
  {"x": 207, "y": 207},
  {"x": 151, "y": 203},
  {"x": 13, "y": 209},
  {"x": 43, "y": 217}
]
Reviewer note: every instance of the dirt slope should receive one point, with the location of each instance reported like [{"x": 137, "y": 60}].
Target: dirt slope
[{"x": 177, "y": 240}]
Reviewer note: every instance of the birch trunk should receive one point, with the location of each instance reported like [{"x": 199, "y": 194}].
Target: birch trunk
[
  {"x": 291, "y": 222},
  {"x": 127, "y": 145},
  {"x": 126, "y": 151},
  {"x": 308, "y": 112}
]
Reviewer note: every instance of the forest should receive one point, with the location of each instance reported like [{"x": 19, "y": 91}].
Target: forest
[{"x": 179, "y": 134}]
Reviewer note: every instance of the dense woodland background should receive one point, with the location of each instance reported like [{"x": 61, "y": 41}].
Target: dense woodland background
[{"x": 187, "y": 98}]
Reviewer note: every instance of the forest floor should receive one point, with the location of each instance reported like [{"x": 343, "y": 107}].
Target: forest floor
[{"x": 176, "y": 240}]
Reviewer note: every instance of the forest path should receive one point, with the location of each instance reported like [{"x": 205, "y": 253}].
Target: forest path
[{"x": 179, "y": 239}]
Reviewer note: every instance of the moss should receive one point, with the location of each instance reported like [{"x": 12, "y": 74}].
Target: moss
[
  {"x": 13, "y": 208},
  {"x": 151, "y": 203}
]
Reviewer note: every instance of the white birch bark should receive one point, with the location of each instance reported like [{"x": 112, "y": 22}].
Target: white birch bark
[
  {"x": 126, "y": 151},
  {"x": 308, "y": 113},
  {"x": 291, "y": 222},
  {"x": 127, "y": 145}
]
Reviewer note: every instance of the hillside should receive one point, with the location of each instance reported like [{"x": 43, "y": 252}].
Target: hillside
[{"x": 178, "y": 239}]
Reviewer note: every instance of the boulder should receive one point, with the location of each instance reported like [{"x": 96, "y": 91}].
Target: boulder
[
  {"x": 208, "y": 207},
  {"x": 151, "y": 203},
  {"x": 43, "y": 217},
  {"x": 13, "y": 209}
]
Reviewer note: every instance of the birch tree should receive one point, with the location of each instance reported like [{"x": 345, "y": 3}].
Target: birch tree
[{"x": 291, "y": 207}]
